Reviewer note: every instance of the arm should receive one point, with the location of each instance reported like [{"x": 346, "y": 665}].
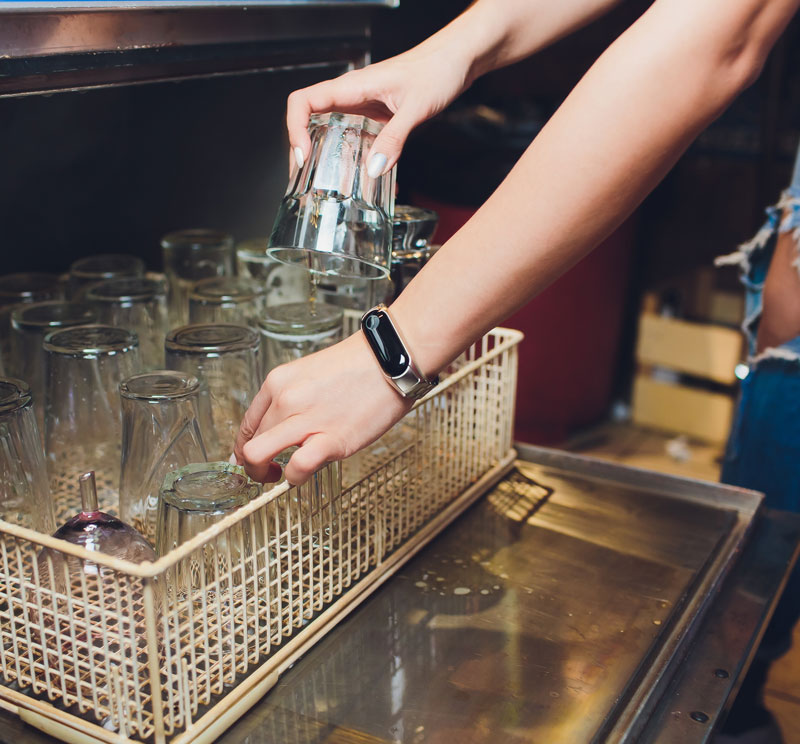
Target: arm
[
  {"x": 410, "y": 88},
  {"x": 616, "y": 135}
]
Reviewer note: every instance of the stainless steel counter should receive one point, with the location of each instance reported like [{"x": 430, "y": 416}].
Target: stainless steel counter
[{"x": 591, "y": 603}]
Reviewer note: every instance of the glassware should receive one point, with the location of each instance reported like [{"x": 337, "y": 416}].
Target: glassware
[
  {"x": 22, "y": 289},
  {"x": 334, "y": 219},
  {"x": 83, "y": 369},
  {"x": 227, "y": 299},
  {"x": 225, "y": 358},
  {"x": 160, "y": 432},
  {"x": 412, "y": 230},
  {"x": 194, "y": 498},
  {"x": 100, "y": 268},
  {"x": 284, "y": 282},
  {"x": 137, "y": 304},
  {"x": 189, "y": 256},
  {"x": 297, "y": 330},
  {"x": 24, "y": 495},
  {"x": 29, "y": 326}
]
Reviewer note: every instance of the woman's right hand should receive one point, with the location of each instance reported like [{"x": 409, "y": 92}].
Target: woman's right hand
[{"x": 401, "y": 92}]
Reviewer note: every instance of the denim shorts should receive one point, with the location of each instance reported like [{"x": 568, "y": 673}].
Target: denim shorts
[{"x": 763, "y": 451}]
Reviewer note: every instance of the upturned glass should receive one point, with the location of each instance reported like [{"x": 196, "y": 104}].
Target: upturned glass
[
  {"x": 225, "y": 358},
  {"x": 161, "y": 432},
  {"x": 83, "y": 369}
]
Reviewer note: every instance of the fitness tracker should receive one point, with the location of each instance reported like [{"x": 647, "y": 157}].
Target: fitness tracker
[{"x": 392, "y": 354}]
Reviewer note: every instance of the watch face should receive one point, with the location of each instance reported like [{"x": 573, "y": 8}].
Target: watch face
[{"x": 385, "y": 343}]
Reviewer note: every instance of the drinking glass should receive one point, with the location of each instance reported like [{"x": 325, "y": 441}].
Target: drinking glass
[
  {"x": 296, "y": 330},
  {"x": 227, "y": 299},
  {"x": 194, "y": 498},
  {"x": 189, "y": 256},
  {"x": 22, "y": 289},
  {"x": 24, "y": 494},
  {"x": 412, "y": 231},
  {"x": 334, "y": 219},
  {"x": 225, "y": 358},
  {"x": 284, "y": 283},
  {"x": 102, "y": 267},
  {"x": 29, "y": 326},
  {"x": 161, "y": 432},
  {"x": 139, "y": 305},
  {"x": 83, "y": 369}
]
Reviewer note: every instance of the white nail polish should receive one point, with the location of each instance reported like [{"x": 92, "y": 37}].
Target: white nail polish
[
  {"x": 298, "y": 157},
  {"x": 376, "y": 165},
  {"x": 232, "y": 459}
]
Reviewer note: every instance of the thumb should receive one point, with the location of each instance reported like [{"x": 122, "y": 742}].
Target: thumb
[{"x": 389, "y": 143}]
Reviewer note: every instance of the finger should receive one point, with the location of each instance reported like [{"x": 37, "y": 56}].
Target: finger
[
  {"x": 317, "y": 450},
  {"x": 262, "y": 448},
  {"x": 389, "y": 143},
  {"x": 251, "y": 421}
]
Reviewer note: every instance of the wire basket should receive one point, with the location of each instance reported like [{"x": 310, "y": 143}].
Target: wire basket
[{"x": 179, "y": 649}]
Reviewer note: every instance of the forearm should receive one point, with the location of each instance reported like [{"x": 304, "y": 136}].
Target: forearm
[
  {"x": 496, "y": 33},
  {"x": 616, "y": 135}
]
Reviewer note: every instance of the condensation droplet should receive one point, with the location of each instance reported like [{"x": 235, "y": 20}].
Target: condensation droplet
[{"x": 461, "y": 590}]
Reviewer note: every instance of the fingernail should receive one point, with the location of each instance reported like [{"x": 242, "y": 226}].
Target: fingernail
[
  {"x": 232, "y": 460},
  {"x": 298, "y": 157},
  {"x": 376, "y": 165}
]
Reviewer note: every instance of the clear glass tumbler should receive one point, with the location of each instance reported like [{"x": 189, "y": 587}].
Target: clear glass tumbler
[
  {"x": 228, "y": 299},
  {"x": 189, "y": 256},
  {"x": 296, "y": 330},
  {"x": 22, "y": 289},
  {"x": 334, "y": 219},
  {"x": 29, "y": 326},
  {"x": 284, "y": 282},
  {"x": 83, "y": 369},
  {"x": 192, "y": 499},
  {"x": 24, "y": 493},
  {"x": 100, "y": 268},
  {"x": 137, "y": 304},
  {"x": 161, "y": 432},
  {"x": 225, "y": 358}
]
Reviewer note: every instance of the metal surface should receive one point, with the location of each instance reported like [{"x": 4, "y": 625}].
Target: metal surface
[
  {"x": 542, "y": 615},
  {"x": 51, "y": 51}
]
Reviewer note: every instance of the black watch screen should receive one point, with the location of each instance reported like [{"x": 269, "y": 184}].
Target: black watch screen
[{"x": 385, "y": 342}]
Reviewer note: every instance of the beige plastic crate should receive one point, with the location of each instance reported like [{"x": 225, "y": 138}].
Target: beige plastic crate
[{"x": 116, "y": 656}]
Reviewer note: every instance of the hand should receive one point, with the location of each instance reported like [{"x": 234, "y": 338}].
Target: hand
[
  {"x": 402, "y": 92},
  {"x": 332, "y": 404}
]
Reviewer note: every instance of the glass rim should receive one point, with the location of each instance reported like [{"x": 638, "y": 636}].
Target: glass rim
[
  {"x": 21, "y": 317},
  {"x": 14, "y": 394},
  {"x": 90, "y": 341},
  {"x": 350, "y": 121},
  {"x": 199, "y": 338},
  {"x": 304, "y": 254},
  {"x": 271, "y": 323},
  {"x": 34, "y": 282},
  {"x": 140, "y": 289},
  {"x": 245, "y": 488},
  {"x": 196, "y": 239},
  {"x": 184, "y": 386},
  {"x": 115, "y": 262},
  {"x": 251, "y": 289}
]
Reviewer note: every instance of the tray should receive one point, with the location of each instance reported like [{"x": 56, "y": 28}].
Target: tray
[{"x": 120, "y": 656}]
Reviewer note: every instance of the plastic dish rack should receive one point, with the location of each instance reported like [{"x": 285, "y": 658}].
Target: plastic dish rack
[{"x": 116, "y": 657}]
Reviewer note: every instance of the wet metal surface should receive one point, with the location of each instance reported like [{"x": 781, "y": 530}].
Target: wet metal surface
[{"x": 531, "y": 619}]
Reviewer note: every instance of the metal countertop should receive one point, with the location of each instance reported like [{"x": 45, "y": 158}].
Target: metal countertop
[{"x": 542, "y": 614}]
